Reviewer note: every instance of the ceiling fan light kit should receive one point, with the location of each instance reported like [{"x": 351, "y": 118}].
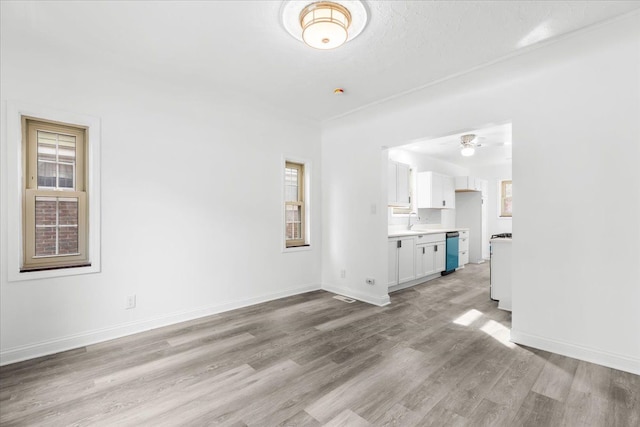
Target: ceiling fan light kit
[
  {"x": 324, "y": 25},
  {"x": 467, "y": 151},
  {"x": 468, "y": 145}
]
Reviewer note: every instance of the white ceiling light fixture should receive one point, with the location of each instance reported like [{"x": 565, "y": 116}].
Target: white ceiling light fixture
[
  {"x": 325, "y": 24},
  {"x": 468, "y": 145}
]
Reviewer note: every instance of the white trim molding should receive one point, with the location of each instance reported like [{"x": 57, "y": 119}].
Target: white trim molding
[
  {"x": 611, "y": 360},
  {"x": 15, "y": 112},
  {"x": 17, "y": 354}
]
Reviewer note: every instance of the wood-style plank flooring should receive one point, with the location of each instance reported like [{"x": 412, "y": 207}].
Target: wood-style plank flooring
[{"x": 438, "y": 355}]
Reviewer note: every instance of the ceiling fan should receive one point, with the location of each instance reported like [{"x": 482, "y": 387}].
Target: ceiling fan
[{"x": 468, "y": 144}]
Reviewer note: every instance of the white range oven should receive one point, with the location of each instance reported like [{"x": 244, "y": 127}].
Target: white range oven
[{"x": 500, "y": 273}]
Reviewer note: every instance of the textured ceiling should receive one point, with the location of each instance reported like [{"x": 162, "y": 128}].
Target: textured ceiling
[{"x": 242, "y": 44}]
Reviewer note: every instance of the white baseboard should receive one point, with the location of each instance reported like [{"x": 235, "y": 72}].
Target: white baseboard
[
  {"x": 415, "y": 282},
  {"x": 360, "y": 296},
  {"x": 30, "y": 351},
  {"x": 611, "y": 360}
]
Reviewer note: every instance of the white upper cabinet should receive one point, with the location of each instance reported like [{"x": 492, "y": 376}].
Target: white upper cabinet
[
  {"x": 399, "y": 184},
  {"x": 470, "y": 183},
  {"x": 448, "y": 192},
  {"x": 435, "y": 191}
]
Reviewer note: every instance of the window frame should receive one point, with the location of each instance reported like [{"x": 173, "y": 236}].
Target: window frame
[
  {"x": 412, "y": 209},
  {"x": 304, "y": 193},
  {"x": 501, "y": 197},
  {"x": 30, "y": 262},
  {"x": 14, "y": 201}
]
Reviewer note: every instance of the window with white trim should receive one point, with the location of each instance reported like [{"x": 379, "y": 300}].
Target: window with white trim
[
  {"x": 55, "y": 213},
  {"x": 505, "y": 198},
  {"x": 412, "y": 208},
  {"x": 294, "y": 205}
]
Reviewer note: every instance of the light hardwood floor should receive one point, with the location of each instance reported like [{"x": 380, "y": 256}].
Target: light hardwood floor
[{"x": 438, "y": 355}]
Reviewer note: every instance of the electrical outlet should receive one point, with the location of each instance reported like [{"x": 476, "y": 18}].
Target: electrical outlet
[
  {"x": 343, "y": 274},
  {"x": 131, "y": 302},
  {"x": 370, "y": 281}
]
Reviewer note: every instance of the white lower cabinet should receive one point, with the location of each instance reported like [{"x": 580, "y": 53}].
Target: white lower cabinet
[
  {"x": 463, "y": 258},
  {"x": 430, "y": 254},
  {"x": 430, "y": 258},
  {"x": 401, "y": 260},
  {"x": 412, "y": 258},
  {"x": 463, "y": 248},
  {"x": 392, "y": 251}
]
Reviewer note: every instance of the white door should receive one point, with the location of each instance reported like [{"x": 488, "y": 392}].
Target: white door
[
  {"x": 421, "y": 251},
  {"x": 440, "y": 257},
  {"x": 449, "y": 192},
  {"x": 429, "y": 259},
  {"x": 406, "y": 260},
  {"x": 437, "y": 198},
  {"x": 393, "y": 262}
]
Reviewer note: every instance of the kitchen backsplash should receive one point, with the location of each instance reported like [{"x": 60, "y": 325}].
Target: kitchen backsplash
[{"x": 427, "y": 216}]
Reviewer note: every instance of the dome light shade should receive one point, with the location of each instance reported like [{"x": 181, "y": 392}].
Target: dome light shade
[
  {"x": 467, "y": 151},
  {"x": 325, "y": 25},
  {"x": 468, "y": 145}
]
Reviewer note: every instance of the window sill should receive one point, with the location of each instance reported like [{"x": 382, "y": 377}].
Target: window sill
[
  {"x": 299, "y": 248},
  {"x": 59, "y": 267},
  {"x": 53, "y": 272}
]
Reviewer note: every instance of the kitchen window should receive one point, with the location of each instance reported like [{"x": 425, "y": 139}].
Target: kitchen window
[
  {"x": 295, "y": 221},
  {"x": 55, "y": 198},
  {"x": 505, "y": 199},
  {"x": 404, "y": 211}
]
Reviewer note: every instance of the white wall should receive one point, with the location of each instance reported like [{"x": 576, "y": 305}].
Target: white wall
[
  {"x": 191, "y": 204},
  {"x": 494, "y": 174},
  {"x": 574, "y": 106}
]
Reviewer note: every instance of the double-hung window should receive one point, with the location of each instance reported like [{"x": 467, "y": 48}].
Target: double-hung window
[
  {"x": 55, "y": 209},
  {"x": 505, "y": 198},
  {"x": 294, "y": 205}
]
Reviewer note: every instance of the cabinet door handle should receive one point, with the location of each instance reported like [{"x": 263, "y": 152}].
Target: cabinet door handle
[
  {"x": 423, "y": 251},
  {"x": 444, "y": 203},
  {"x": 399, "y": 244},
  {"x": 435, "y": 249}
]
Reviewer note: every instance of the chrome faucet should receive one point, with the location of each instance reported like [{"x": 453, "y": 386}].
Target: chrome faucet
[{"x": 409, "y": 224}]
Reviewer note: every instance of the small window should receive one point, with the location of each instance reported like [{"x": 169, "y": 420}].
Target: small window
[
  {"x": 412, "y": 208},
  {"x": 55, "y": 196},
  {"x": 294, "y": 205},
  {"x": 505, "y": 199}
]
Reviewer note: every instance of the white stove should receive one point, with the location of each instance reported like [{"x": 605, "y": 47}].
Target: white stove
[{"x": 500, "y": 275}]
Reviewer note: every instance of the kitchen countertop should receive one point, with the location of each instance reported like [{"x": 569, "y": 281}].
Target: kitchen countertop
[{"x": 408, "y": 233}]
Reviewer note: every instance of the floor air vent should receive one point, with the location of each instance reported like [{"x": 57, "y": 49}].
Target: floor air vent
[{"x": 345, "y": 299}]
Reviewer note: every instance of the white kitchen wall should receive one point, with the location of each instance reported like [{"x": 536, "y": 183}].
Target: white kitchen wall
[
  {"x": 191, "y": 204},
  {"x": 494, "y": 174},
  {"x": 574, "y": 105}
]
